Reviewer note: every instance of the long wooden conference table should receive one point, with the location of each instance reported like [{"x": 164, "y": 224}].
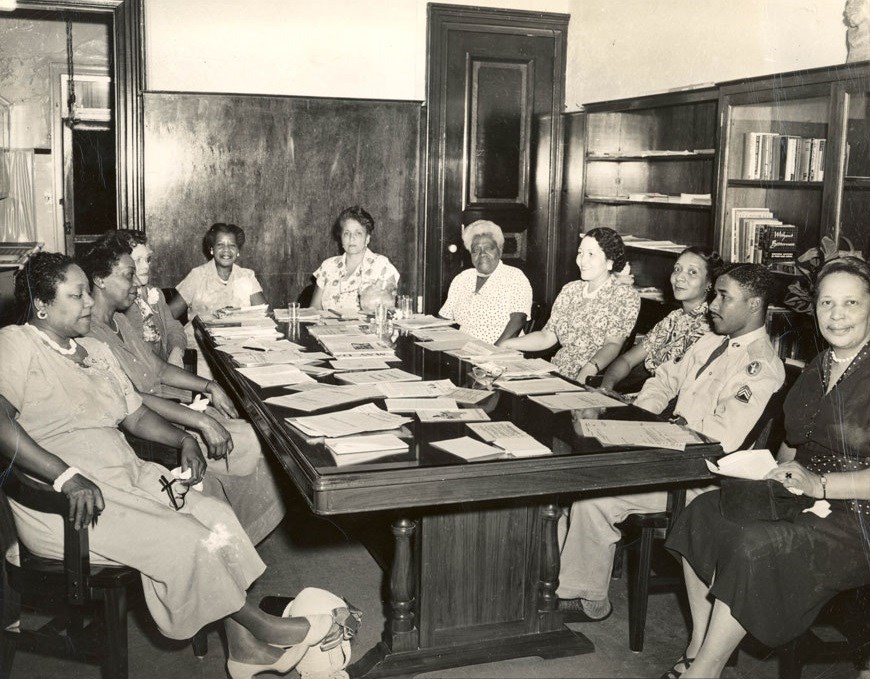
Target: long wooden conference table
[{"x": 474, "y": 564}]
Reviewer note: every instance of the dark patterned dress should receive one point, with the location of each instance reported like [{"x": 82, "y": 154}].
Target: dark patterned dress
[{"x": 775, "y": 575}]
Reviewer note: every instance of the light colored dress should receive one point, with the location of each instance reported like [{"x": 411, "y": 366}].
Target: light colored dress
[
  {"x": 341, "y": 290},
  {"x": 245, "y": 479},
  {"x": 673, "y": 335},
  {"x": 152, "y": 319},
  {"x": 205, "y": 291},
  {"x": 581, "y": 322},
  {"x": 484, "y": 314},
  {"x": 196, "y": 563}
]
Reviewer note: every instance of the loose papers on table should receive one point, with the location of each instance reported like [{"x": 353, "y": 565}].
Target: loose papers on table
[
  {"x": 326, "y": 397},
  {"x": 452, "y": 415},
  {"x": 357, "y": 420},
  {"x": 468, "y": 448},
  {"x": 360, "y": 449},
  {"x": 544, "y": 385},
  {"x": 373, "y": 376},
  {"x": 576, "y": 400},
  {"x": 411, "y": 405},
  {"x": 421, "y": 389},
  {"x": 275, "y": 375},
  {"x": 645, "y": 434}
]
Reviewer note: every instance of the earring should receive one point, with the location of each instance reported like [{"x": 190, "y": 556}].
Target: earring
[{"x": 41, "y": 314}]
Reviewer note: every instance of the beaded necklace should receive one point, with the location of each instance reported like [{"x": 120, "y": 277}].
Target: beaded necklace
[{"x": 69, "y": 351}]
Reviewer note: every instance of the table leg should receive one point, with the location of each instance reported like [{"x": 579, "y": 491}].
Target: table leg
[
  {"x": 549, "y": 578},
  {"x": 403, "y": 630}
]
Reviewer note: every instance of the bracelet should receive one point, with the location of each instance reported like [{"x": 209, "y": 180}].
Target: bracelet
[
  {"x": 207, "y": 385},
  {"x": 597, "y": 367},
  {"x": 824, "y": 480},
  {"x": 65, "y": 476}
]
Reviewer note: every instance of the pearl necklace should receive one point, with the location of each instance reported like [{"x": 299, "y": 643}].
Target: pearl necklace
[
  {"x": 848, "y": 359},
  {"x": 73, "y": 345}
]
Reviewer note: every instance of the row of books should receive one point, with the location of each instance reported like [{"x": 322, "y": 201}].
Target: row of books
[
  {"x": 754, "y": 235},
  {"x": 767, "y": 155}
]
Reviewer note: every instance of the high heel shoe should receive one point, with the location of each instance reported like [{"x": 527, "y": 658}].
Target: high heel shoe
[{"x": 319, "y": 627}]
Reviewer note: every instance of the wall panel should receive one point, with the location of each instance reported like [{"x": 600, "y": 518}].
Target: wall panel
[{"x": 282, "y": 168}]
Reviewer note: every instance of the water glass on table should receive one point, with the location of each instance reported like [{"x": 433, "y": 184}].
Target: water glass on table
[
  {"x": 405, "y": 306},
  {"x": 485, "y": 376},
  {"x": 292, "y": 312}
]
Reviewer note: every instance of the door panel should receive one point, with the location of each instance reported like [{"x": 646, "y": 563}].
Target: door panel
[{"x": 495, "y": 85}]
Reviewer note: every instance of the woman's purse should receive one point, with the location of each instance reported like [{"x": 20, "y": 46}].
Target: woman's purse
[{"x": 743, "y": 501}]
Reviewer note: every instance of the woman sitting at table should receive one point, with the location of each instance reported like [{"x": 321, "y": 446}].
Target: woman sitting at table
[
  {"x": 219, "y": 283},
  {"x": 691, "y": 280},
  {"x": 62, "y": 400},
  {"x": 244, "y": 478},
  {"x": 150, "y": 314},
  {"x": 342, "y": 279},
  {"x": 771, "y": 578},
  {"x": 592, "y": 317},
  {"x": 491, "y": 301}
]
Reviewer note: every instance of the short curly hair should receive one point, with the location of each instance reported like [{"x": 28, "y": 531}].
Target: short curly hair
[
  {"x": 102, "y": 257},
  {"x": 611, "y": 243},
  {"x": 130, "y": 237},
  {"x": 482, "y": 227},
  {"x": 711, "y": 258},
  {"x": 853, "y": 266},
  {"x": 356, "y": 213},
  {"x": 38, "y": 279},
  {"x": 755, "y": 279},
  {"x": 211, "y": 236}
]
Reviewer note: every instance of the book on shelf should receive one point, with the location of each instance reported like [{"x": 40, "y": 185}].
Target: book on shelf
[
  {"x": 756, "y": 236},
  {"x": 783, "y": 157}
]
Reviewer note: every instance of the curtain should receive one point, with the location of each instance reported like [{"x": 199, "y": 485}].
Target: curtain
[{"x": 17, "y": 211}]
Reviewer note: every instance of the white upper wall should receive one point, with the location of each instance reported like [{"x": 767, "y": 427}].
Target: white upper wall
[
  {"x": 368, "y": 49},
  {"x": 376, "y": 49},
  {"x": 623, "y": 48}
]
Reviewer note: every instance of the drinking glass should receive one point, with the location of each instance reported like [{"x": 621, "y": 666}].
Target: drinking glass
[
  {"x": 406, "y": 306},
  {"x": 293, "y": 312},
  {"x": 485, "y": 376}
]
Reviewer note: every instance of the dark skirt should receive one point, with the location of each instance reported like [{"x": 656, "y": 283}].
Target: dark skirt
[{"x": 774, "y": 575}]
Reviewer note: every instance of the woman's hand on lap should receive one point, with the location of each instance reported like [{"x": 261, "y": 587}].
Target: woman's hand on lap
[
  {"x": 191, "y": 458},
  {"x": 795, "y": 476},
  {"x": 85, "y": 501},
  {"x": 218, "y": 441},
  {"x": 221, "y": 401}
]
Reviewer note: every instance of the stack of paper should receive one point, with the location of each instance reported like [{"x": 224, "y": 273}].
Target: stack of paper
[
  {"x": 445, "y": 415},
  {"x": 360, "y": 449},
  {"x": 468, "y": 396},
  {"x": 544, "y": 385},
  {"x": 357, "y": 420},
  {"x": 515, "y": 368},
  {"x": 643, "y": 434},
  {"x": 478, "y": 349},
  {"x": 576, "y": 400},
  {"x": 310, "y": 400},
  {"x": 469, "y": 449},
  {"x": 509, "y": 438},
  {"x": 419, "y": 322},
  {"x": 248, "y": 359},
  {"x": 377, "y": 376},
  {"x": 338, "y": 328},
  {"x": 246, "y": 333},
  {"x": 421, "y": 389},
  {"x": 439, "y": 334},
  {"x": 412, "y": 405},
  {"x": 275, "y": 375},
  {"x": 345, "y": 364}
]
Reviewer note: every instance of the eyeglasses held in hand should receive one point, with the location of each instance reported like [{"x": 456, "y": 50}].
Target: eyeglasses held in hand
[{"x": 176, "y": 500}]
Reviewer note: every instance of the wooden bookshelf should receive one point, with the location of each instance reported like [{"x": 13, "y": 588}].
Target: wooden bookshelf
[
  {"x": 663, "y": 144},
  {"x": 827, "y": 103}
]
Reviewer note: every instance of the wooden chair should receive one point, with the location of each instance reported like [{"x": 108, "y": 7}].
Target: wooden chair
[
  {"x": 653, "y": 527},
  {"x": 92, "y": 600}
]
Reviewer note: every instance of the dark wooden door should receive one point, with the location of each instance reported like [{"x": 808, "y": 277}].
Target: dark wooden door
[{"x": 495, "y": 91}]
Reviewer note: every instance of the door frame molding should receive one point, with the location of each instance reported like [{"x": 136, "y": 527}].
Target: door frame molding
[
  {"x": 129, "y": 81},
  {"x": 442, "y": 20}
]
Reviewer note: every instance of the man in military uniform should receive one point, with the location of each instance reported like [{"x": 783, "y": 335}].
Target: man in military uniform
[{"x": 721, "y": 386}]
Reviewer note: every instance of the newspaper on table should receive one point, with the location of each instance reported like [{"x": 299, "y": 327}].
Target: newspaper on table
[
  {"x": 576, "y": 400},
  {"x": 421, "y": 389},
  {"x": 444, "y": 415},
  {"x": 645, "y": 434},
  {"x": 357, "y": 346},
  {"x": 541, "y": 385},
  {"x": 357, "y": 420}
]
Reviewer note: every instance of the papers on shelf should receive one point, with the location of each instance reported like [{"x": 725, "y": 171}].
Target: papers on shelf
[
  {"x": 649, "y": 244},
  {"x": 744, "y": 464},
  {"x": 275, "y": 375},
  {"x": 377, "y": 376},
  {"x": 411, "y": 405},
  {"x": 419, "y": 322},
  {"x": 310, "y": 400},
  {"x": 421, "y": 389},
  {"x": 468, "y": 448},
  {"x": 644, "y": 434},
  {"x": 360, "y": 449},
  {"x": 344, "y": 364},
  {"x": 357, "y": 420},
  {"x": 543, "y": 385},
  {"x": 452, "y": 415},
  {"x": 576, "y": 400}
]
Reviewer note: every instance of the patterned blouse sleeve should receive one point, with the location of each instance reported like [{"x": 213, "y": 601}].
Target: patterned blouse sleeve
[
  {"x": 627, "y": 307},
  {"x": 521, "y": 296},
  {"x": 446, "y": 310},
  {"x": 557, "y": 311},
  {"x": 322, "y": 273},
  {"x": 659, "y": 333}
]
